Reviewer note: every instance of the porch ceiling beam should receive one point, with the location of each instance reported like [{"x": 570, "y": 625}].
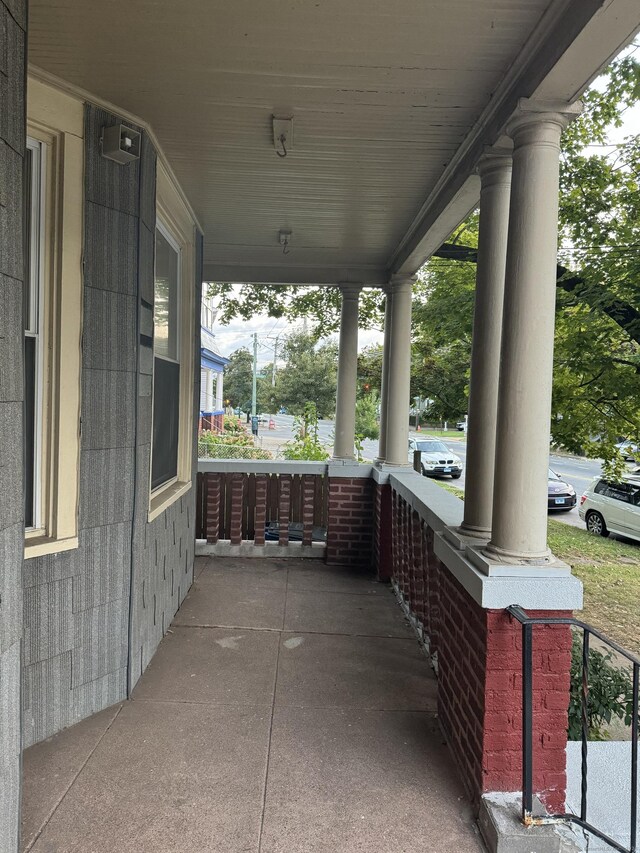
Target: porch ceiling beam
[
  {"x": 311, "y": 275},
  {"x": 573, "y": 41}
]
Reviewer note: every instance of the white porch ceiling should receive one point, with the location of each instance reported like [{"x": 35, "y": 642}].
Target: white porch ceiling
[{"x": 392, "y": 103}]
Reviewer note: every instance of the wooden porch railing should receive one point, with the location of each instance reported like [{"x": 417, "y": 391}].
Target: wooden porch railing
[{"x": 250, "y": 501}]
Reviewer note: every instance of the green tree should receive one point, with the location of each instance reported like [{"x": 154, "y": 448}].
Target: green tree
[
  {"x": 367, "y": 425},
  {"x": 597, "y": 371},
  {"x": 442, "y": 319},
  {"x": 309, "y": 375},
  {"x": 238, "y": 377},
  {"x": 370, "y": 369},
  {"x": 320, "y": 305}
]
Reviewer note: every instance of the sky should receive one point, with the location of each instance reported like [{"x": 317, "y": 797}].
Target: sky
[{"x": 240, "y": 333}]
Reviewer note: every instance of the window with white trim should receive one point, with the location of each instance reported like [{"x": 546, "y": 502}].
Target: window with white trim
[
  {"x": 166, "y": 359},
  {"x": 52, "y": 310},
  {"x": 174, "y": 344},
  {"x": 34, "y": 181}
]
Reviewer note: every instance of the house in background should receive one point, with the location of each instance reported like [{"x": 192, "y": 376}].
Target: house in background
[{"x": 212, "y": 365}]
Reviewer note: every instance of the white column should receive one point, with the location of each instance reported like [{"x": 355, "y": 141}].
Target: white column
[
  {"x": 519, "y": 526},
  {"x": 219, "y": 389},
  {"x": 495, "y": 175},
  {"x": 343, "y": 447},
  {"x": 384, "y": 384},
  {"x": 397, "y": 425}
]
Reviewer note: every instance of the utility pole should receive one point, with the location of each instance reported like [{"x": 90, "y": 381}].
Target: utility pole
[
  {"x": 275, "y": 356},
  {"x": 254, "y": 410}
]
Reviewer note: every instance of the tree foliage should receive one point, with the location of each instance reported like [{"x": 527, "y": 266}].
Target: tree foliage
[
  {"x": 370, "y": 369},
  {"x": 309, "y": 375},
  {"x": 238, "y": 378},
  {"x": 367, "y": 425},
  {"x": 597, "y": 355},
  {"x": 306, "y": 442},
  {"x": 442, "y": 321},
  {"x": 320, "y": 305}
]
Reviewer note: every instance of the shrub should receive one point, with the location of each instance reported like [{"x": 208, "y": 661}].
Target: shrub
[
  {"x": 212, "y": 445},
  {"x": 610, "y": 693},
  {"x": 306, "y": 443},
  {"x": 233, "y": 424},
  {"x": 367, "y": 425}
]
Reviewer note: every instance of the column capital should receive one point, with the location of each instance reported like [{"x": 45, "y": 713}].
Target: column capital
[
  {"x": 494, "y": 167},
  {"x": 401, "y": 283},
  {"x": 541, "y": 121},
  {"x": 350, "y": 290}
]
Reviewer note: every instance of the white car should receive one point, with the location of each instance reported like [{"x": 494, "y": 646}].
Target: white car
[
  {"x": 628, "y": 449},
  {"x": 436, "y": 459},
  {"x": 612, "y": 507}
]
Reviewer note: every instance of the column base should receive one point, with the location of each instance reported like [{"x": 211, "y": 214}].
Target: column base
[
  {"x": 508, "y": 565},
  {"x": 385, "y": 465},
  {"x": 461, "y": 538}
]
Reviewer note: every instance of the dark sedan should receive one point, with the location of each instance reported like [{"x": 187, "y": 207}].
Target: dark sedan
[{"x": 561, "y": 495}]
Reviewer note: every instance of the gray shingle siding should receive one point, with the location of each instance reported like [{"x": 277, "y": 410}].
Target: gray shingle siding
[
  {"x": 79, "y": 622},
  {"x": 67, "y": 632}
]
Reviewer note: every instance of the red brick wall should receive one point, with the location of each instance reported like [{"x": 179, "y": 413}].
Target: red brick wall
[
  {"x": 350, "y": 521},
  {"x": 213, "y": 423},
  {"x": 382, "y": 531},
  {"x": 479, "y": 656}
]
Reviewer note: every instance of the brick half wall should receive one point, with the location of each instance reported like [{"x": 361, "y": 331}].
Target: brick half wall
[
  {"x": 382, "y": 557},
  {"x": 350, "y": 525},
  {"x": 478, "y": 657},
  {"x": 480, "y": 695}
]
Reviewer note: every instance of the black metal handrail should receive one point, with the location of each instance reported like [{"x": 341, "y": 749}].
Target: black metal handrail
[{"x": 528, "y": 818}]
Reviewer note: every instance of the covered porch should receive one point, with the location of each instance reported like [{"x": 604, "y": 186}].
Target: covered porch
[
  {"x": 289, "y": 707},
  {"x": 165, "y": 145}
]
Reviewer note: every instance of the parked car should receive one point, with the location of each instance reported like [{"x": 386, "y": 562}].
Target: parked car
[
  {"x": 612, "y": 507},
  {"x": 561, "y": 495},
  {"x": 461, "y": 426},
  {"x": 435, "y": 458},
  {"x": 628, "y": 449}
]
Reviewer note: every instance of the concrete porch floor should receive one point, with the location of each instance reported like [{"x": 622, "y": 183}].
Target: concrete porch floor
[{"x": 289, "y": 710}]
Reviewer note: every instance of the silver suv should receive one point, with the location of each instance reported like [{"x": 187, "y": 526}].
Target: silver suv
[{"x": 612, "y": 507}]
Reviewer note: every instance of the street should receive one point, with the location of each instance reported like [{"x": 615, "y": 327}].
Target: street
[{"x": 575, "y": 471}]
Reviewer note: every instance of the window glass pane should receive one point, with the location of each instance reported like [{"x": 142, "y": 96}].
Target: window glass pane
[
  {"x": 165, "y": 309},
  {"x": 26, "y": 234},
  {"x": 166, "y": 411},
  {"x": 29, "y": 430}
]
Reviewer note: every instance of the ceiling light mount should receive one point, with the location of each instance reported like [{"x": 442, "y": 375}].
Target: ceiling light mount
[
  {"x": 282, "y": 135},
  {"x": 284, "y": 238}
]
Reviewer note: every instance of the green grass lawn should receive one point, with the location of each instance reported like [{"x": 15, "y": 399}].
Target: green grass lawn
[
  {"x": 610, "y": 572},
  {"x": 440, "y": 433}
]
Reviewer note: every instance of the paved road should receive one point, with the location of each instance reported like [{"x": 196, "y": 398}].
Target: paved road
[{"x": 577, "y": 472}]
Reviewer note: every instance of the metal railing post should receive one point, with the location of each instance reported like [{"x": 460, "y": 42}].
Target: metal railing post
[
  {"x": 527, "y": 623},
  {"x": 527, "y": 722}
]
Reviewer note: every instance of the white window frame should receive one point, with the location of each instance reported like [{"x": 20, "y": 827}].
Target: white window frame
[
  {"x": 34, "y": 328},
  {"x": 175, "y": 223},
  {"x": 55, "y": 124}
]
